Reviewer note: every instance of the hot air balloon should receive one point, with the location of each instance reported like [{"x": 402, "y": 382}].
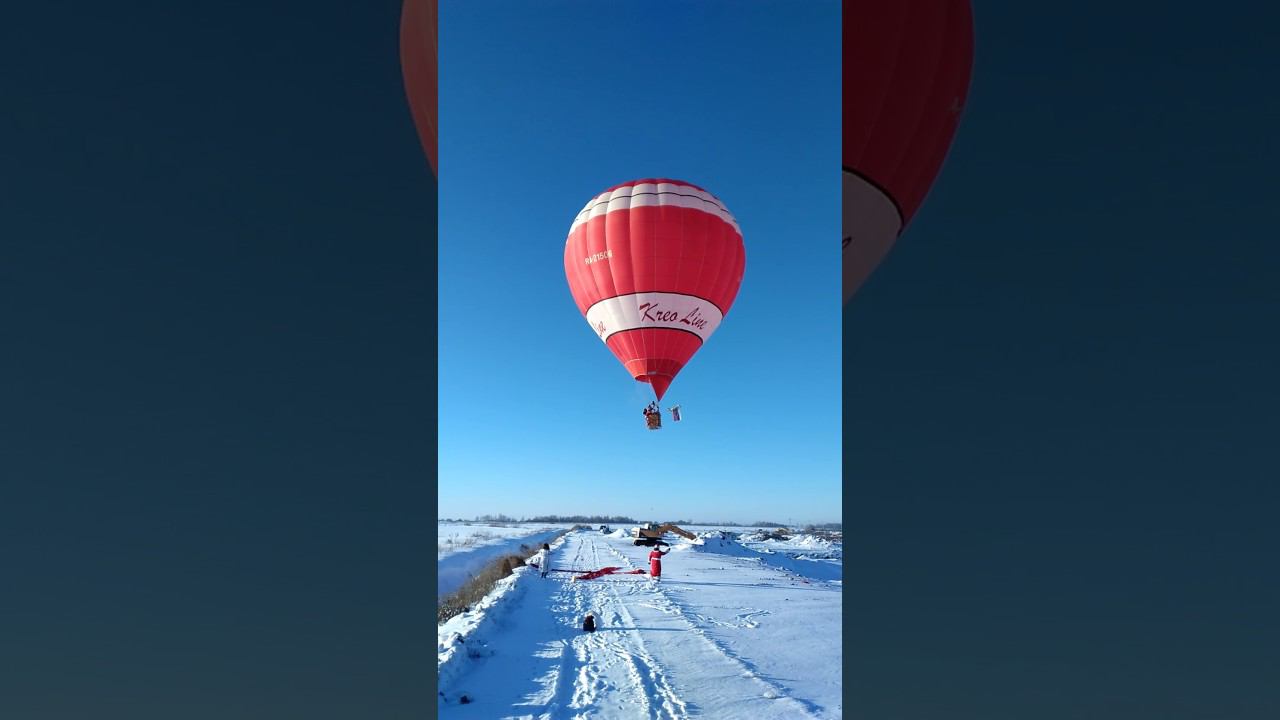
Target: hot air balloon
[
  {"x": 906, "y": 75},
  {"x": 418, "y": 65},
  {"x": 654, "y": 266}
]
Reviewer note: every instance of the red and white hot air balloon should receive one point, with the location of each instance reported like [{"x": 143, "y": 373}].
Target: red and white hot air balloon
[
  {"x": 654, "y": 265},
  {"x": 906, "y": 75},
  {"x": 418, "y": 65}
]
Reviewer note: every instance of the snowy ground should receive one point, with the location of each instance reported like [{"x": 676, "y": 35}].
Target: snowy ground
[
  {"x": 800, "y": 546},
  {"x": 463, "y": 537},
  {"x": 465, "y": 549},
  {"x": 724, "y": 634}
]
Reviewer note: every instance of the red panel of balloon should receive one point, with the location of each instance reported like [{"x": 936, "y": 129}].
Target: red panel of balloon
[
  {"x": 906, "y": 76},
  {"x": 418, "y": 62}
]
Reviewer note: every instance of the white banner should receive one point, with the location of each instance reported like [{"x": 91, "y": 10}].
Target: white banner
[{"x": 654, "y": 310}]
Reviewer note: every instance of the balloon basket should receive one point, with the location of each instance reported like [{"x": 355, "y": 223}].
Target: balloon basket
[{"x": 653, "y": 421}]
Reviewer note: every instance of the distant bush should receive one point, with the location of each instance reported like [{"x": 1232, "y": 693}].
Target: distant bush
[
  {"x": 593, "y": 519},
  {"x": 824, "y": 529},
  {"x": 825, "y": 526}
]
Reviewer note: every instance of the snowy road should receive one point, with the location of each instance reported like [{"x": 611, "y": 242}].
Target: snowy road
[{"x": 720, "y": 636}]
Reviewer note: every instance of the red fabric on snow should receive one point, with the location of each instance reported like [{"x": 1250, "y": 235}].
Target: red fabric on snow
[{"x": 606, "y": 571}]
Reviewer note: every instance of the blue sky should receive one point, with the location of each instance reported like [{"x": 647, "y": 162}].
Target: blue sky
[{"x": 544, "y": 105}]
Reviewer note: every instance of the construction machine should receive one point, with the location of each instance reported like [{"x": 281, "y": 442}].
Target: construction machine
[{"x": 651, "y": 533}]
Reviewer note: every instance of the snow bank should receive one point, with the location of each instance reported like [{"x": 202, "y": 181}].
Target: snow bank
[
  {"x": 803, "y": 547},
  {"x": 464, "y": 638},
  {"x": 619, "y": 533},
  {"x": 725, "y": 543},
  {"x": 452, "y": 571},
  {"x": 461, "y": 639}
]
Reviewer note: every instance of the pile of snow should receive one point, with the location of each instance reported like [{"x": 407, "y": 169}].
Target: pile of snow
[
  {"x": 804, "y": 547},
  {"x": 619, "y": 533},
  {"x": 725, "y": 543},
  {"x": 761, "y": 535}
]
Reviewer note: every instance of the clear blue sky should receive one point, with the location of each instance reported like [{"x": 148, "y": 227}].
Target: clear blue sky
[{"x": 544, "y": 105}]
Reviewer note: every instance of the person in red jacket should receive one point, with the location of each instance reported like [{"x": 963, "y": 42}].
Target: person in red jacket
[{"x": 655, "y": 562}]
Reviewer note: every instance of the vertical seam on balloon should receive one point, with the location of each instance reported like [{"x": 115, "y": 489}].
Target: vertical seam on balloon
[
  {"x": 944, "y": 130},
  {"x": 667, "y": 350},
  {"x": 664, "y": 351},
  {"x": 724, "y": 251},
  {"x": 890, "y": 73},
  {"x": 905, "y": 150}
]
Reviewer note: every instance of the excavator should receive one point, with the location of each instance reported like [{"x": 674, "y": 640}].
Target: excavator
[{"x": 651, "y": 533}]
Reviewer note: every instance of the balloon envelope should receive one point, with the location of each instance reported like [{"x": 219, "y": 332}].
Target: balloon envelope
[
  {"x": 654, "y": 266},
  {"x": 418, "y": 65},
  {"x": 906, "y": 75}
]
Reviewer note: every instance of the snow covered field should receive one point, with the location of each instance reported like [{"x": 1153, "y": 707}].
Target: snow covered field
[
  {"x": 800, "y": 546},
  {"x": 463, "y": 537},
  {"x": 464, "y": 549},
  {"x": 725, "y": 634}
]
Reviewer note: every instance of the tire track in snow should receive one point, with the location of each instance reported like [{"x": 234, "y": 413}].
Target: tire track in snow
[
  {"x": 560, "y": 685},
  {"x": 614, "y": 671},
  {"x": 773, "y": 690},
  {"x": 770, "y": 690},
  {"x": 586, "y": 677},
  {"x": 732, "y": 669},
  {"x": 644, "y": 668}
]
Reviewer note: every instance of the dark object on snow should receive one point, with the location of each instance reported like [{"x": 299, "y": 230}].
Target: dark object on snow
[
  {"x": 464, "y": 700},
  {"x": 589, "y": 623}
]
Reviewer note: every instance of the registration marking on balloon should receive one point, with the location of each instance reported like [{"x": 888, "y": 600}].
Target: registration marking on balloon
[{"x": 654, "y": 310}]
